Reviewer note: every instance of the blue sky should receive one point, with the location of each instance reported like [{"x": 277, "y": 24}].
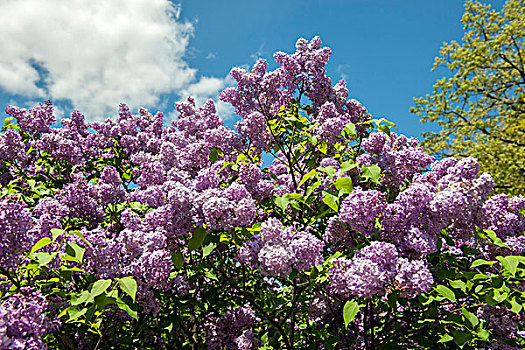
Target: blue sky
[{"x": 151, "y": 53}]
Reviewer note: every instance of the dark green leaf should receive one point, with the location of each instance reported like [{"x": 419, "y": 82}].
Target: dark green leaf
[
  {"x": 473, "y": 319},
  {"x": 178, "y": 260},
  {"x": 461, "y": 338},
  {"x": 197, "y": 239}
]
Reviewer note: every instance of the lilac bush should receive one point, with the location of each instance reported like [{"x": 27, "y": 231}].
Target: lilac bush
[{"x": 140, "y": 233}]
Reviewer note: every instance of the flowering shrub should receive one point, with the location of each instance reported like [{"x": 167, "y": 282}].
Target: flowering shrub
[{"x": 132, "y": 234}]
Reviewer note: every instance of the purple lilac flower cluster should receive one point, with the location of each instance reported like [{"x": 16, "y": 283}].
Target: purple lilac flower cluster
[
  {"x": 361, "y": 208},
  {"x": 138, "y": 191},
  {"x": 232, "y": 330},
  {"x": 276, "y": 250},
  {"x": 374, "y": 269},
  {"x": 15, "y": 237},
  {"x": 450, "y": 196},
  {"x": 23, "y": 321},
  {"x": 399, "y": 157},
  {"x": 260, "y": 95}
]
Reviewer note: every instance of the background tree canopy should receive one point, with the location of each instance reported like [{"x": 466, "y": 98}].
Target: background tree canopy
[{"x": 481, "y": 107}]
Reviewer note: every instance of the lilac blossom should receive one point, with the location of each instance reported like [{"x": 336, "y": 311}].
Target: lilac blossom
[
  {"x": 232, "y": 330},
  {"x": 376, "y": 267},
  {"x": 361, "y": 208},
  {"x": 15, "y": 238},
  {"x": 23, "y": 321}
]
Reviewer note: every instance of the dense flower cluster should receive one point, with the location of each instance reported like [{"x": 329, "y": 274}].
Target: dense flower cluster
[
  {"x": 399, "y": 157},
  {"x": 15, "y": 238},
  {"x": 166, "y": 233},
  {"x": 232, "y": 330},
  {"x": 23, "y": 321},
  {"x": 376, "y": 268},
  {"x": 361, "y": 208},
  {"x": 276, "y": 250}
]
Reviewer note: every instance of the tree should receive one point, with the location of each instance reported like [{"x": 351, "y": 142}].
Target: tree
[{"x": 481, "y": 107}]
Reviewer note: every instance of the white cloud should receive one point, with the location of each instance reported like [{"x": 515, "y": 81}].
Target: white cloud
[
  {"x": 342, "y": 71},
  {"x": 206, "y": 86},
  {"x": 259, "y": 53},
  {"x": 210, "y": 56},
  {"x": 96, "y": 53}
]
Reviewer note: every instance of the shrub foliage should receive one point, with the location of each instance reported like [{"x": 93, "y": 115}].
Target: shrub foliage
[{"x": 130, "y": 234}]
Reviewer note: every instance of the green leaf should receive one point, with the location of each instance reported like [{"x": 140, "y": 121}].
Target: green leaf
[
  {"x": 208, "y": 249},
  {"x": 129, "y": 286},
  {"x": 495, "y": 239},
  {"x": 345, "y": 184},
  {"x": 385, "y": 128},
  {"x": 211, "y": 275},
  {"x": 81, "y": 236},
  {"x": 331, "y": 201},
  {"x": 329, "y": 170},
  {"x": 214, "y": 154},
  {"x": 75, "y": 312},
  {"x": 510, "y": 263},
  {"x": 473, "y": 319},
  {"x": 103, "y": 300},
  {"x": 123, "y": 306},
  {"x": 75, "y": 250},
  {"x": 44, "y": 258},
  {"x": 56, "y": 232},
  {"x": 307, "y": 177},
  {"x": 348, "y": 165},
  {"x": 282, "y": 201},
  {"x": 446, "y": 292},
  {"x": 323, "y": 147},
  {"x": 479, "y": 262},
  {"x": 82, "y": 298},
  {"x": 99, "y": 287},
  {"x": 310, "y": 189},
  {"x": 350, "y": 128},
  {"x": 197, "y": 238},
  {"x": 178, "y": 260},
  {"x": 483, "y": 335},
  {"x": 372, "y": 173},
  {"x": 458, "y": 284},
  {"x": 350, "y": 310},
  {"x": 445, "y": 338},
  {"x": 461, "y": 338},
  {"x": 137, "y": 206},
  {"x": 40, "y": 244},
  {"x": 516, "y": 307}
]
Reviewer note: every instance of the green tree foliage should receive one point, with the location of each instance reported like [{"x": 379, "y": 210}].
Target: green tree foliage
[{"x": 481, "y": 106}]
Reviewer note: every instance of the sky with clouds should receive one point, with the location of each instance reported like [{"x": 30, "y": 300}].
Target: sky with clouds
[{"x": 93, "y": 55}]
